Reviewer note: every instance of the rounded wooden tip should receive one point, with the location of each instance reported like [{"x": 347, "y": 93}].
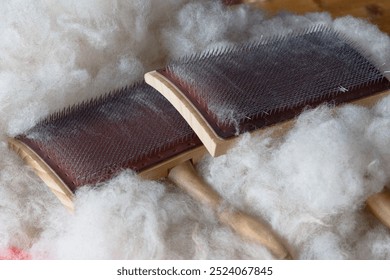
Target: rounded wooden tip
[{"x": 379, "y": 205}]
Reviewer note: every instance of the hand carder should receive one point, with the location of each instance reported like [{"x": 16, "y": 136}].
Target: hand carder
[
  {"x": 134, "y": 128},
  {"x": 258, "y": 85}
]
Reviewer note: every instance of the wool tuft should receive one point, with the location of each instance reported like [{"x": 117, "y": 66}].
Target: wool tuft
[{"x": 310, "y": 185}]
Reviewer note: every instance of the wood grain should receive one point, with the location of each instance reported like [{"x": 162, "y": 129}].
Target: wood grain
[{"x": 375, "y": 11}]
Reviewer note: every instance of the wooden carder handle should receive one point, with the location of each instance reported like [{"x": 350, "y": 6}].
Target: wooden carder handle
[
  {"x": 185, "y": 176},
  {"x": 379, "y": 205}
]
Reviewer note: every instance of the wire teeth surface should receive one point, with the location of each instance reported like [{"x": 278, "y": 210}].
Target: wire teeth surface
[
  {"x": 83, "y": 107},
  {"x": 275, "y": 77},
  {"x": 133, "y": 127}
]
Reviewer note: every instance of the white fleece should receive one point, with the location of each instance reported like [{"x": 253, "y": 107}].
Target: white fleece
[{"x": 310, "y": 185}]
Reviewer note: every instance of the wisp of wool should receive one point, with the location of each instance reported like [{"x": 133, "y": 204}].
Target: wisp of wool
[{"x": 309, "y": 185}]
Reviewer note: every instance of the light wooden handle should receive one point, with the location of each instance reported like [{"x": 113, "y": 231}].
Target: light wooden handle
[
  {"x": 185, "y": 177},
  {"x": 379, "y": 205}
]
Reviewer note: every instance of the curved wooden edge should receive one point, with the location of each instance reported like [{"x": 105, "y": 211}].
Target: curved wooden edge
[
  {"x": 214, "y": 144},
  {"x": 51, "y": 179},
  {"x": 62, "y": 191}
]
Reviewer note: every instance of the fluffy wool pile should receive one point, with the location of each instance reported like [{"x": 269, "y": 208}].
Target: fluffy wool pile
[{"x": 310, "y": 185}]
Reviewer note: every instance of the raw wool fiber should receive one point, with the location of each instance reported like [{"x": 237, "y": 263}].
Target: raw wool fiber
[{"x": 310, "y": 185}]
